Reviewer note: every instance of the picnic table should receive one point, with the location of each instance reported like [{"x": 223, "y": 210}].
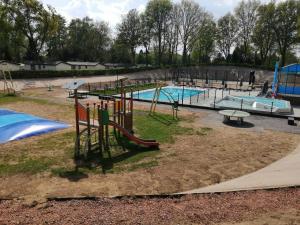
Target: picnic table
[{"x": 228, "y": 114}]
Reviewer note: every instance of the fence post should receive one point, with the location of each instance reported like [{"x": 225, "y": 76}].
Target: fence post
[
  {"x": 242, "y": 104},
  {"x": 215, "y": 98},
  {"x": 198, "y": 97},
  {"x": 190, "y": 99},
  {"x": 182, "y": 95},
  {"x": 138, "y": 93},
  {"x": 222, "y": 92},
  {"x": 208, "y": 93},
  {"x": 272, "y": 108}
]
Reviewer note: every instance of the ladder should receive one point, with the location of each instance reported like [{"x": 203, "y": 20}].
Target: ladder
[
  {"x": 8, "y": 82},
  {"x": 155, "y": 98}
]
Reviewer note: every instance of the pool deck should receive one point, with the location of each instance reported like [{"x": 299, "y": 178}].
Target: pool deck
[{"x": 282, "y": 173}]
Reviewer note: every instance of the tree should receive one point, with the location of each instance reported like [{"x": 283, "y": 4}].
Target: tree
[
  {"x": 226, "y": 34},
  {"x": 191, "y": 17},
  {"x": 35, "y": 22},
  {"x": 11, "y": 39},
  {"x": 88, "y": 41},
  {"x": 263, "y": 35},
  {"x": 129, "y": 31},
  {"x": 245, "y": 14},
  {"x": 285, "y": 26},
  {"x": 172, "y": 34},
  {"x": 157, "y": 13},
  {"x": 57, "y": 42},
  {"x": 145, "y": 35},
  {"x": 204, "y": 45}
]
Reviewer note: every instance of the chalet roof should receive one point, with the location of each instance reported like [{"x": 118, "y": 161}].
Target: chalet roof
[{"x": 75, "y": 63}]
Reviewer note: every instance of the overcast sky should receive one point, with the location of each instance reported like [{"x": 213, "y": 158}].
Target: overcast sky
[{"x": 112, "y": 10}]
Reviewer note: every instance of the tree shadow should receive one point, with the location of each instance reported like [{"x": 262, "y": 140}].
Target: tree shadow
[{"x": 162, "y": 119}]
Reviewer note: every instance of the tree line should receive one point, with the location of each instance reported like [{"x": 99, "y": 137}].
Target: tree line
[{"x": 166, "y": 33}]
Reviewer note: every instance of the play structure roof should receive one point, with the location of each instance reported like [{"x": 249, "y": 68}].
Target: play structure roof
[{"x": 74, "y": 84}]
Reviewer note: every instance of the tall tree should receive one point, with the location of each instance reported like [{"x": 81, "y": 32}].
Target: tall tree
[
  {"x": 172, "y": 34},
  {"x": 285, "y": 26},
  {"x": 35, "y": 22},
  {"x": 129, "y": 31},
  {"x": 57, "y": 42},
  {"x": 191, "y": 17},
  {"x": 245, "y": 14},
  {"x": 226, "y": 34},
  {"x": 263, "y": 35},
  {"x": 158, "y": 12},
  {"x": 145, "y": 36},
  {"x": 204, "y": 45},
  {"x": 88, "y": 41}
]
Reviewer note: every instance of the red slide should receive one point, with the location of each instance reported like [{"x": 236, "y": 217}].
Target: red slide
[{"x": 139, "y": 141}]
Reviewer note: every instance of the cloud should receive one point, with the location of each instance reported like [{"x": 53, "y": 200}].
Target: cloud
[{"x": 110, "y": 11}]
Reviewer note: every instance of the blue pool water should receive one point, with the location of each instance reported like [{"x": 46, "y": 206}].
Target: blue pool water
[
  {"x": 168, "y": 94},
  {"x": 15, "y": 126},
  {"x": 268, "y": 101}
]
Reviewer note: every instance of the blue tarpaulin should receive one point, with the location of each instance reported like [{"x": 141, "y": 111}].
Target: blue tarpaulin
[{"x": 15, "y": 125}]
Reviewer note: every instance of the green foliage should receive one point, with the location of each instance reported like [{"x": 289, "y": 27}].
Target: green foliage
[{"x": 161, "y": 127}]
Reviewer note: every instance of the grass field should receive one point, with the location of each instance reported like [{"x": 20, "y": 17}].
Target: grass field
[{"x": 55, "y": 153}]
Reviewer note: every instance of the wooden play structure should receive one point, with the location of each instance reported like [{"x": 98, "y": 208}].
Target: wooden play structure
[
  {"x": 157, "y": 92},
  {"x": 94, "y": 119},
  {"x": 8, "y": 83}
]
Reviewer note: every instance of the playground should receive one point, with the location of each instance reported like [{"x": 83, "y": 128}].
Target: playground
[{"x": 120, "y": 147}]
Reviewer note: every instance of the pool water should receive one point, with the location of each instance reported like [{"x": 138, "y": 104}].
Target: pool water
[
  {"x": 267, "y": 101},
  {"x": 255, "y": 103},
  {"x": 15, "y": 125},
  {"x": 168, "y": 94}
]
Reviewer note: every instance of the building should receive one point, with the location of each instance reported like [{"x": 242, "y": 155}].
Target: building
[
  {"x": 85, "y": 65},
  {"x": 9, "y": 66},
  {"x": 56, "y": 66},
  {"x": 60, "y": 66}
]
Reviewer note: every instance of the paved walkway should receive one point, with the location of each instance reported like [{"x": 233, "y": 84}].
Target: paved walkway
[{"x": 283, "y": 173}]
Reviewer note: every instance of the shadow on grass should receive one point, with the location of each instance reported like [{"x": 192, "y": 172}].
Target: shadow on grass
[
  {"x": 97, "y": 163},
  {"x": 162, "y": 119}
]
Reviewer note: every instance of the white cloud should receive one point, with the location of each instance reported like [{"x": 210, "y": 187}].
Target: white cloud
[{"x": 104, "y": 10}]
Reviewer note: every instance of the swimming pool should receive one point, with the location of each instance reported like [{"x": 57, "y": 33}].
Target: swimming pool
[
  {"x": 16, "y": 126},
  {"x": 168, "y": 94},
  {"x": 255, "y": 103}
]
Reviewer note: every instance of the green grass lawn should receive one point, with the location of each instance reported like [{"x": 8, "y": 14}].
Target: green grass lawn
[{"x": 54, "y": 154}]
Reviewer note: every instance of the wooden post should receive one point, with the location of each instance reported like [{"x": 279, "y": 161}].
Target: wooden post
[
  {"x": 100, "y": 131},
  {"x": 88, "y": 126},
  {"x": 119, "y": 116},
  {"x": 77, "y": 144},
  {"x": 106, "y": 132}
]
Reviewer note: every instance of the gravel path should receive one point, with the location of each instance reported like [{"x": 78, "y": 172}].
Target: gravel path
[{"x": 191, "y": 209}]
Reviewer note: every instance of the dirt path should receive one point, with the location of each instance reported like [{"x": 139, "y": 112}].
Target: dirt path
[{"x": 257, "y": 207}]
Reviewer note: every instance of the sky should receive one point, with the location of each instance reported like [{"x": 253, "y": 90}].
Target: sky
[{"x": 111, "y": 11}]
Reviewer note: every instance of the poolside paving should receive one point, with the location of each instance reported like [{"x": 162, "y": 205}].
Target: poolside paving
[{"x": 283, "y": 173}]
